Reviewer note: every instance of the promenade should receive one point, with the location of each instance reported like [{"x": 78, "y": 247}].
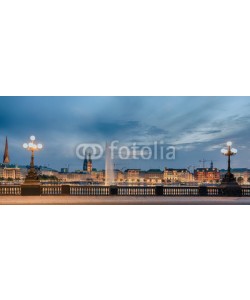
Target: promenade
[{"x": 122, "y": 200}]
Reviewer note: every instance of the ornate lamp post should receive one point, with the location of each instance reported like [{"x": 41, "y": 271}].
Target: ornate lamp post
[
  {"x": 229, "y": 152},
  {"x": 229, "y": 185},
  {"x": 32, "y": 146}
]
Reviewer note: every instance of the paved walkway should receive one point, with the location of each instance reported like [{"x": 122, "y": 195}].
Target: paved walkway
[{"x": 122, "y": 200}]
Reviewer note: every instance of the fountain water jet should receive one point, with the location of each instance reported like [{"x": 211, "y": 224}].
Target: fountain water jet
[{"x": 109, "y": 167}]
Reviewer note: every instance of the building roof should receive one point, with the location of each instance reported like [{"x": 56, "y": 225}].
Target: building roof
[
  {"x": 206, "y": 170},
  {"x": 178, "y": 170},
  {"x": 132, "y": 170},
  {"x": 154, "y": 171},
  {"x": 44, "y": 168},
  {"x": 9, "y": 166}
]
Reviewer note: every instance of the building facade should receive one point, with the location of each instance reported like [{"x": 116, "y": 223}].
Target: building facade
[
  {"x": 177, "y": 176},
  {"x": 153, "y": 176},
  {"x": 10, "y": 172},
  {"x": 207, "y": 175},
  {"x": 132, "y": 175}
]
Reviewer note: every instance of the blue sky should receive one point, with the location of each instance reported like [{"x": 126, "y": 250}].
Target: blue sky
[{"x": 197, "y": 126}]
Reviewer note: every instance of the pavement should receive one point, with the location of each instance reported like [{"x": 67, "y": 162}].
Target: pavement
[{"x": 121, "y": 200}]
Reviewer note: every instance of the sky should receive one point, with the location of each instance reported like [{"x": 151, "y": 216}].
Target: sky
[{"x": 198, "y": 127}]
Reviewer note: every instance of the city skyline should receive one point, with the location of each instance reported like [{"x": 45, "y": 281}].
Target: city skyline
[{"x": 197, "y": 126}]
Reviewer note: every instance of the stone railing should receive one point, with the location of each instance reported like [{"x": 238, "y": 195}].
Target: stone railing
[
  {"x": 246, "y": 192},
  {"x": 78, "y": 190},
  {"x": 135, "y": 191},
  {"x": 13, "y": 190},
  {"x": 51, "y": 190},
  {"x": 181, "y": 191}
]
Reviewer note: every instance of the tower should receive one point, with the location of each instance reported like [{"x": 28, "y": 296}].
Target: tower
[
  {"x": 212, "y": 165},
  {"x": 85, "y": 163},
  {"x": 6, "y": 158},
  {"x": 89, "y": 164}
]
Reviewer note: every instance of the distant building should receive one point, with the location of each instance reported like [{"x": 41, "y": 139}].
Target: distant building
[
  {"x": 98, "y": 176},
  {"x": 177, "y": 175},
  {"x": 119, "y": 176},
  {"x": 8, "y": 171},
  {"x": 132, "y": 175},
  {"x": 153, "y": 176},
  {"x": 208, "y": 175},
  {"x": 47, "y": 171},
  {"x": 74, "y": 177},
  {"x": 87, "y": 163}
]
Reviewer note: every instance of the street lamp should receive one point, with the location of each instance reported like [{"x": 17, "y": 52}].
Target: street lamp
[
  {"x": 229, "y": 152},
  {"x": 32, "y": 146},
  {"x": 229, "y": 185}
]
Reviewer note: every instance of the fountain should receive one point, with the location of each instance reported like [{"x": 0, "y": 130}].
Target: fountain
[{"x": 109, "y": 167}]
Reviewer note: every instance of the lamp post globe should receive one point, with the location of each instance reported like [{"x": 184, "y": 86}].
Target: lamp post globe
[{"x": 31, "y": 146}]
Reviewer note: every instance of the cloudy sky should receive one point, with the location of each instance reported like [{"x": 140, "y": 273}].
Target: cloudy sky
[{"x": 197, "y": 126}]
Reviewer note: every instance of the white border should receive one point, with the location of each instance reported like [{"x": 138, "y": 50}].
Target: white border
[{"x": 124, "y": 48}]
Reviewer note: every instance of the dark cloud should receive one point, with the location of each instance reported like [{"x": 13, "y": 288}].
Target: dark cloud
[
  {"x": 212, "y": 131},
  {"x": 109, "y": 130}
]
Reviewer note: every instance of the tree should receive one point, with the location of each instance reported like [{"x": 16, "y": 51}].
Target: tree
[
  {"x": 48, "y": 177},
  {"x": 240, "y": 180},
  {"x": 248, "y": 179}
]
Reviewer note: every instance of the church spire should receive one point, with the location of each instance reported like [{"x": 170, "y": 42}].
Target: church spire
[
  {"x": 6, "y": 158},
  {"x": 85, "y": 163}
]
